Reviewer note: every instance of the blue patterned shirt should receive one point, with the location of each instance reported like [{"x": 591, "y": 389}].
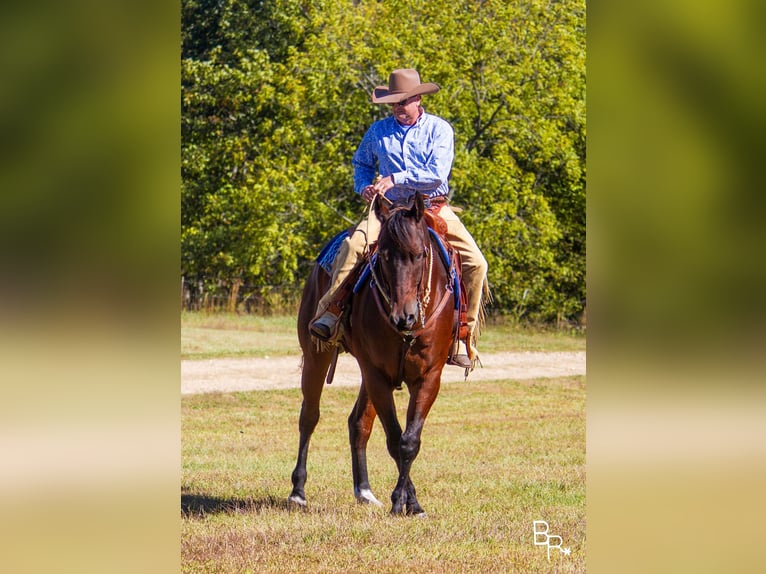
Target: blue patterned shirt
[{"x": 418, "y": 156}]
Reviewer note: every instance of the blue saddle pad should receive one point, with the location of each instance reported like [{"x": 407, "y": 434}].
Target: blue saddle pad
[{"x": 329, "y": 251}]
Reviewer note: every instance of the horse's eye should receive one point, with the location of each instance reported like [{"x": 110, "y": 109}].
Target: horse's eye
[{"x": 383, "y": 255}]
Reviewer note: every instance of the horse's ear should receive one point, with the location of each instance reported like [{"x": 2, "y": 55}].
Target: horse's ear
[
  {"x": 418, "y": 206},
  {"x": 381, "y": 209}
]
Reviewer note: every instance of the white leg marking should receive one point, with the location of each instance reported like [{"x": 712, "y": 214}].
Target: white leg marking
[{"x": 365, "y": 496}]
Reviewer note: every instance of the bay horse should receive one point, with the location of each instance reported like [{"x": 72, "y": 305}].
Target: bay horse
[{"x": 400, "y": 330}]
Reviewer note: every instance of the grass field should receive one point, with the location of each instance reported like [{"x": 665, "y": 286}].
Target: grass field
[
  {"x": 206, "y": 336},
  {"x": 495, "y": 457}
]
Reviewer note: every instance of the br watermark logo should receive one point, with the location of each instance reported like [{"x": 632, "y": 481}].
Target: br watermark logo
[{"x": 542, "y": 538}]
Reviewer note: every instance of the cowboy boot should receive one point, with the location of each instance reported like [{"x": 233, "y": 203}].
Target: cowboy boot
[
  {"x": 471, "y": 358},
  {"x": 464, "y": 335},
  {"x": 325, "y": 327},
  {"x": 464, "y": 361},
  {"x": 461, "y": 361}
]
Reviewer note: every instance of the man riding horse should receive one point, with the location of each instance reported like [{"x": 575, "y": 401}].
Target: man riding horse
[{"x": 410, "y": 151}]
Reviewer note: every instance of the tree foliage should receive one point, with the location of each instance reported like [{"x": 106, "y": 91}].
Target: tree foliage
[{"x": 276, "y": 98}]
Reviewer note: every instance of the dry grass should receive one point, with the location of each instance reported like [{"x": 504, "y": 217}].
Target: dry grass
[
  {"x": 495, "y": 457},
  {"x": 205, "y": 336}
]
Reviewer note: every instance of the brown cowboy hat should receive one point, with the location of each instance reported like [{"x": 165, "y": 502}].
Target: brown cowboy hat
[{"x": 402, "y": 84}]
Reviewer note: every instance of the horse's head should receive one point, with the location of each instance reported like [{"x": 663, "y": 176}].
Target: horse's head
[{"x": 402, "y": 250}]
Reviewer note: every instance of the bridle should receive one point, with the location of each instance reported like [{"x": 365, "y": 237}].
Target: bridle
[
  {"x": 381, "y": 295},
  {"x": 423, "y": 293},
  {"x": 424, "y": 289}
]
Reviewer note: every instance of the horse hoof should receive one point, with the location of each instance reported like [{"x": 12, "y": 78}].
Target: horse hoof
[
  {"x": 365, "y": 496},
  {"x": 294, "y": 501}
]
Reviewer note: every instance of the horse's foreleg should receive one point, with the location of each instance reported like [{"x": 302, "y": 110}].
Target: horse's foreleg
[
  {"x": 360, "y": 423},
  {"x": 403, "y": 497},
  {"x": 312, "y": 384},
  {"x": 422, "y": 398}
]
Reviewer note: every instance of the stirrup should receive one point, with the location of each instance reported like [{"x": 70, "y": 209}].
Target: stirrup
[{"x": 460, "y": 361}]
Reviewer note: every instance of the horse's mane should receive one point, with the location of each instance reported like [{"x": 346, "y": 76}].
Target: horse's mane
[{"x": 401, "y": 232}]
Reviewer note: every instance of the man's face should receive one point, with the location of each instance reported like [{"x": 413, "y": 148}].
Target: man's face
[{"x": 407, "y": 111}]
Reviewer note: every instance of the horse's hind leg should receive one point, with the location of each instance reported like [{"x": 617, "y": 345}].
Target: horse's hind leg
[
  {"x": 360, "y": 423},
  {"x": 315, "y": 367},
  {"x": 383, "y": 400}
]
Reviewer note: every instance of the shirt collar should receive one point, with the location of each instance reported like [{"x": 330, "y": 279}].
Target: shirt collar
[{"x": 419, "y": 120}]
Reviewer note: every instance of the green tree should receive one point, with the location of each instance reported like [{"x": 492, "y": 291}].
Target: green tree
[{"x": 276, "y": 98}]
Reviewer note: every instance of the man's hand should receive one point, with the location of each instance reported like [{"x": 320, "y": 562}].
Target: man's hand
[
  {"x": 369, "y": 193},
  {"x": 379, "y": 187}
]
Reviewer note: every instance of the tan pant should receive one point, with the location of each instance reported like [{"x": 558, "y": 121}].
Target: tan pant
[{"x": 474, "y": 264}]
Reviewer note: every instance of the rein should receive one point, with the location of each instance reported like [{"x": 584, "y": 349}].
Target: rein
[
  {"x": 422, "y": 301},
  {"x": 409, "y": 337},
  {"x": 381, "y": 295}
]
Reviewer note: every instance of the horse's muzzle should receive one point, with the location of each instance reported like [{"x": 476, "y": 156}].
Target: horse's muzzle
[{"x": 404, "y": 321}]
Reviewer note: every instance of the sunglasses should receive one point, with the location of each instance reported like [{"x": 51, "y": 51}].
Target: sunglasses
[{"x": 404, "y": 102}]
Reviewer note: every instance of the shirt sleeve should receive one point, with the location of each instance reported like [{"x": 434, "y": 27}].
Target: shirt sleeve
[{"x": 364, "y": 162}]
